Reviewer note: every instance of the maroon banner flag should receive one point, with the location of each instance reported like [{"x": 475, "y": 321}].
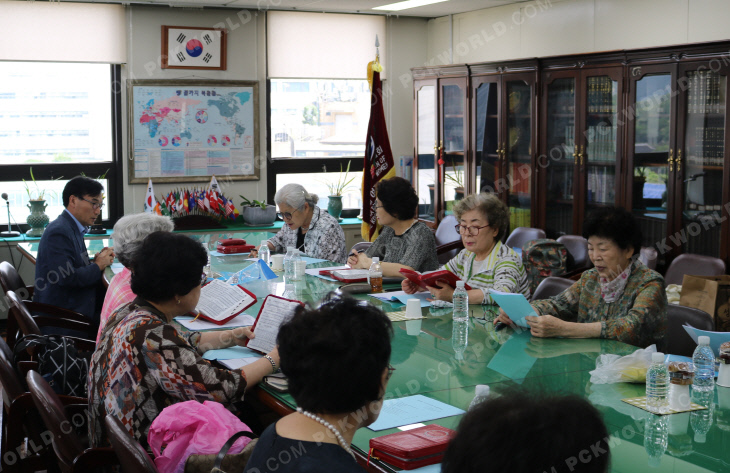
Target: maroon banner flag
[{"x": 378, "y": 159}]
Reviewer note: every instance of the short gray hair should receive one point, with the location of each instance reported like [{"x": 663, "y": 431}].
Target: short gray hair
[
  {"x": 295, "y": 196},
  {"x": 495, "y": 211},
  {"x": 131, "y": 230}
]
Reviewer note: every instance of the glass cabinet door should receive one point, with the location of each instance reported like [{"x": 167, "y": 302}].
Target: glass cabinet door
[
  {"x": 425, "y": 150},
  {"x": 486, "y": 129},
  {"x": 557, "y": 159},
  {"x": 453, "y": 113},
  {"x": 700, "y": 167},
  {"x": 517, "y": 150},
  {"x": 597, "y": 155},
  {"x": 650, "y": 147}
]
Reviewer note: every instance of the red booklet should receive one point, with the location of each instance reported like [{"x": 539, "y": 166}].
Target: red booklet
[
  {"x": 430, "y": 278},
  {"x": 220, "y": 302},
  {"x": 347, "y": 275},
  {"x": 273, "y": 312},
  {"x": 412, "y": 448},
  {"x": 234, "y": 245}
]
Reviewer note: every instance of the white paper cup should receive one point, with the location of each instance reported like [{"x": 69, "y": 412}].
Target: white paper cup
[
  {"x": 723, "y": 378},
  {"x": 679, "y": 398},
  {"x": 413, "y": 327},
  {"x": 277, "y": 262},
  {"x": 299, "y": 269},
  {"x": 413, "y": 309}
]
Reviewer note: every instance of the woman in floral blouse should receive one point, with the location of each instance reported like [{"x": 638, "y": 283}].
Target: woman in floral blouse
[
  {"x": 619, "y": 299},
  {"x": 306, "y": 227},
  {"x": 142, "y": 364}
]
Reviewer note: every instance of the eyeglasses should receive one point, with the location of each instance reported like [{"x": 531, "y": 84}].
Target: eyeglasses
[
  {"x": 390, "y": 371},
  {"x": 95, "y": 205},
  {"x": 287, "y": 215},
  {"x": 471, "y": 231}
]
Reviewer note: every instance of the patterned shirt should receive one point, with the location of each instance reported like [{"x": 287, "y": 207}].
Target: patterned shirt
[
  {"x": 324, "y": 239},
  {"x": 416, "y": 248},
  {"x": 502, "y": 271},
  {"x": 142, "y": 365},
  {"x": 118, "y": 294},
  {"x": 638, "y": 317}
]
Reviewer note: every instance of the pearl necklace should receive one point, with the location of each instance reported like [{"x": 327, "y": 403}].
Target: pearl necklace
[{"x": 331, "y": 428}]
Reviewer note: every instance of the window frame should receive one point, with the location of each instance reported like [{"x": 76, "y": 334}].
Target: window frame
[
  {"x": 48, "y": 171},
  {"x": 294, "y": 165}
]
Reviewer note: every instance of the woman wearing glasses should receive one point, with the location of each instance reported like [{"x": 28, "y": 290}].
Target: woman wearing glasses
[
  {"x": 336, "y": 360},
  {"x": 306, "y": 227},
  {"x": 142, "y": 364},
  {"x": 484, "y": 263},
  {"x": 404, "y": 241}
]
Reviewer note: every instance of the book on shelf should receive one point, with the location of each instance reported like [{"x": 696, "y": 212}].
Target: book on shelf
[
  {"x": 220, "y": 302},
  {"x": 431, "y": 278},
  {"x": 273, "y": 313}
]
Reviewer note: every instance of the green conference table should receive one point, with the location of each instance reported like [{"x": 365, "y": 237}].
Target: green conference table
[{"x": 428, "y": 363}]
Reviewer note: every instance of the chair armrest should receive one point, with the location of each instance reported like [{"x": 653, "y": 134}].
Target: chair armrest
[
  {"x": 31, "y": 290},
  {"x": 452, "y": 245},
  {"x": 95, "y": 457},
  {"x": 60, "y": 322},
  {"x": 57, "y": 311},
  {"x": 26, "y": 365}
]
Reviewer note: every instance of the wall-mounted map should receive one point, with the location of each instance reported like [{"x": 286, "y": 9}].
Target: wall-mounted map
[{"x": 187, "y": 131}]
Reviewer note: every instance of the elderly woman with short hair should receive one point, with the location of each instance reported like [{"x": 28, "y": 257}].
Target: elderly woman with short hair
[
  {"x": 485, "y": 262},
  {"x": 306, "y": 227},
  {"x": 129, "y": 232}
]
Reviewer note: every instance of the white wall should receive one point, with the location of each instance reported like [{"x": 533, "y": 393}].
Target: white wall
[
  {"x": 406, "y": 45},
  {"x": 556, "y": 27}
]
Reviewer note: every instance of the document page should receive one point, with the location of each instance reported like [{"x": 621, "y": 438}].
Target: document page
[
  {"x": 219, "y": 300},
  {"x": 274, "y": 312}
]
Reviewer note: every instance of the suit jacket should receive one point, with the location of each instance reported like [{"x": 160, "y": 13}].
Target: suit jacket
[{"x": 64, "y": 275}]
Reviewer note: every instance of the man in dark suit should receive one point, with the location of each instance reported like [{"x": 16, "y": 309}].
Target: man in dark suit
[{"x": 64, "y": 275}]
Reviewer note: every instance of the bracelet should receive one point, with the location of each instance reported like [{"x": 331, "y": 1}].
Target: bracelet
[{"x": 273, "y": 363}]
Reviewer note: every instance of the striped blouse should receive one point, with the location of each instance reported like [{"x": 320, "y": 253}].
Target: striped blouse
[{"x": 502, "y": 271}]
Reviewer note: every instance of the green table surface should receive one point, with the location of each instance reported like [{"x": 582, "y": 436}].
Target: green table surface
[{"x": 427, "y": 364}]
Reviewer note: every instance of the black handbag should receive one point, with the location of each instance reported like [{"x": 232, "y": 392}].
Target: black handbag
[{"x": 223, "y": 462}]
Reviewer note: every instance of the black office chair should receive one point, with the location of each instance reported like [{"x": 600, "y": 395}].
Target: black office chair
[
  {"x": 448, "y": 240},
  {"x": 522, "y": 235},
  {"x": 678, "y": 341},
  {"x": 696, "y": 265},
  {"x": 132, "y": 456},
  {"x": 551, "y": 286},
  {"x": 577, "y": 247}
]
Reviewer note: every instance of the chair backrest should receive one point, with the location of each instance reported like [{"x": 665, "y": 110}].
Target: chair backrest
[
  {"x": 551, "y": 286},
  {"x": 522, "y": 235},
  {"x": 648, "y": 255},
  {"x": 12, "y": 385},
  {"x": 577, "y": 247},
  {"x": 132, "y": 456},
  {"x": 678, "y": 341},
  {"x": 360, "y": 246},
  {"x": 10, "y": 280},
  {"x": 446, "y": 235},
  {"x": 66, "y": 443},
  {"x": 22, "y": 316},
  {"x": 697, "y": 265}
]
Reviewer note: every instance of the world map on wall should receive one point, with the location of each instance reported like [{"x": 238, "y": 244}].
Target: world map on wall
[{"x": 192, "y": 116}]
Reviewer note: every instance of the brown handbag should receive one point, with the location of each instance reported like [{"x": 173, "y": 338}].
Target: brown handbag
[{"x": 223, "y": 462}]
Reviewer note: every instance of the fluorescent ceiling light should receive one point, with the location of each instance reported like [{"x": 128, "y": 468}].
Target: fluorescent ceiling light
[{"x": 407, "y": 4}]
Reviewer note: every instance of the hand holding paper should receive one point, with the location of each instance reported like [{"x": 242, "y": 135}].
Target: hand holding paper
[{"x": 515, "y": 306}]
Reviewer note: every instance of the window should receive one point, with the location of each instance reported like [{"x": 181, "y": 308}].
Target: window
[{"x": 60, "y": 120}]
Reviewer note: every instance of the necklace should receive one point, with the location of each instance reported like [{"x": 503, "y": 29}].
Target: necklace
[{"x": 331, "y": 428}]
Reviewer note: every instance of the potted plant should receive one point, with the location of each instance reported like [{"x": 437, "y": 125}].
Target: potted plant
[
  {"x": 637, "y": 189},
  {"x": 334, "y": 206},
  {"x": 37, "y": 205},
  {"x": 455, "y": 179},
  {"x": 257, "y": 213}
]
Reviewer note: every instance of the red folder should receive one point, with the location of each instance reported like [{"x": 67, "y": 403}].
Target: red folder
[
  {"x": 430, "y": 279},
  {"x": 234, "y": 245},
  {"x": 412, "y": 448}
]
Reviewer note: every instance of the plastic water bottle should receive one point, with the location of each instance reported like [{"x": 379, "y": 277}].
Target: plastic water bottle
[
  {"x": 293, "y": 262},
  {"x": 265, "y": 252},
  {"x": 657, "y": 384},
  {"x": 289, "y": 292},
  {"x": 704, "y": 360},
  {"x": 701, "y": 421},
  {"x": 460, "y": 338},
  {"x": 656, "y": 438},
  {"x": 375, "y": 275},
  {"x": 461, "y": 302},
  {"x": 480, "y": 395},
  {"x": 288, "y": 266}
]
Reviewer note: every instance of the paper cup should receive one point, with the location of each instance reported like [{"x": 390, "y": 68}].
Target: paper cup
[
  {"x": 723, "y": 378},
  {"x": 277, "y": 262},
  {"x": 299, "y": 269},
  {"x": 679, "y": 398},
  {"x": 413, "y": 327},
  {"x": 413, "y": 309}
]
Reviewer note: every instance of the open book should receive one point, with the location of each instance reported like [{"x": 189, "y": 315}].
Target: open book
[
  {"x": 274, "y": 311},
  {"x": 220, "y": 302},
  {"x": 430, "y": 278}
]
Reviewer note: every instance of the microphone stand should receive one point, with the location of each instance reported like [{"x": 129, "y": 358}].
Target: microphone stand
[{"x": 9, "y": 233}]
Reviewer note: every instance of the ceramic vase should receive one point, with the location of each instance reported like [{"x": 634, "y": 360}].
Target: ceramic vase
[
  {"x": 334, "y": 207},
  {"x": 37, "y": 218}
]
